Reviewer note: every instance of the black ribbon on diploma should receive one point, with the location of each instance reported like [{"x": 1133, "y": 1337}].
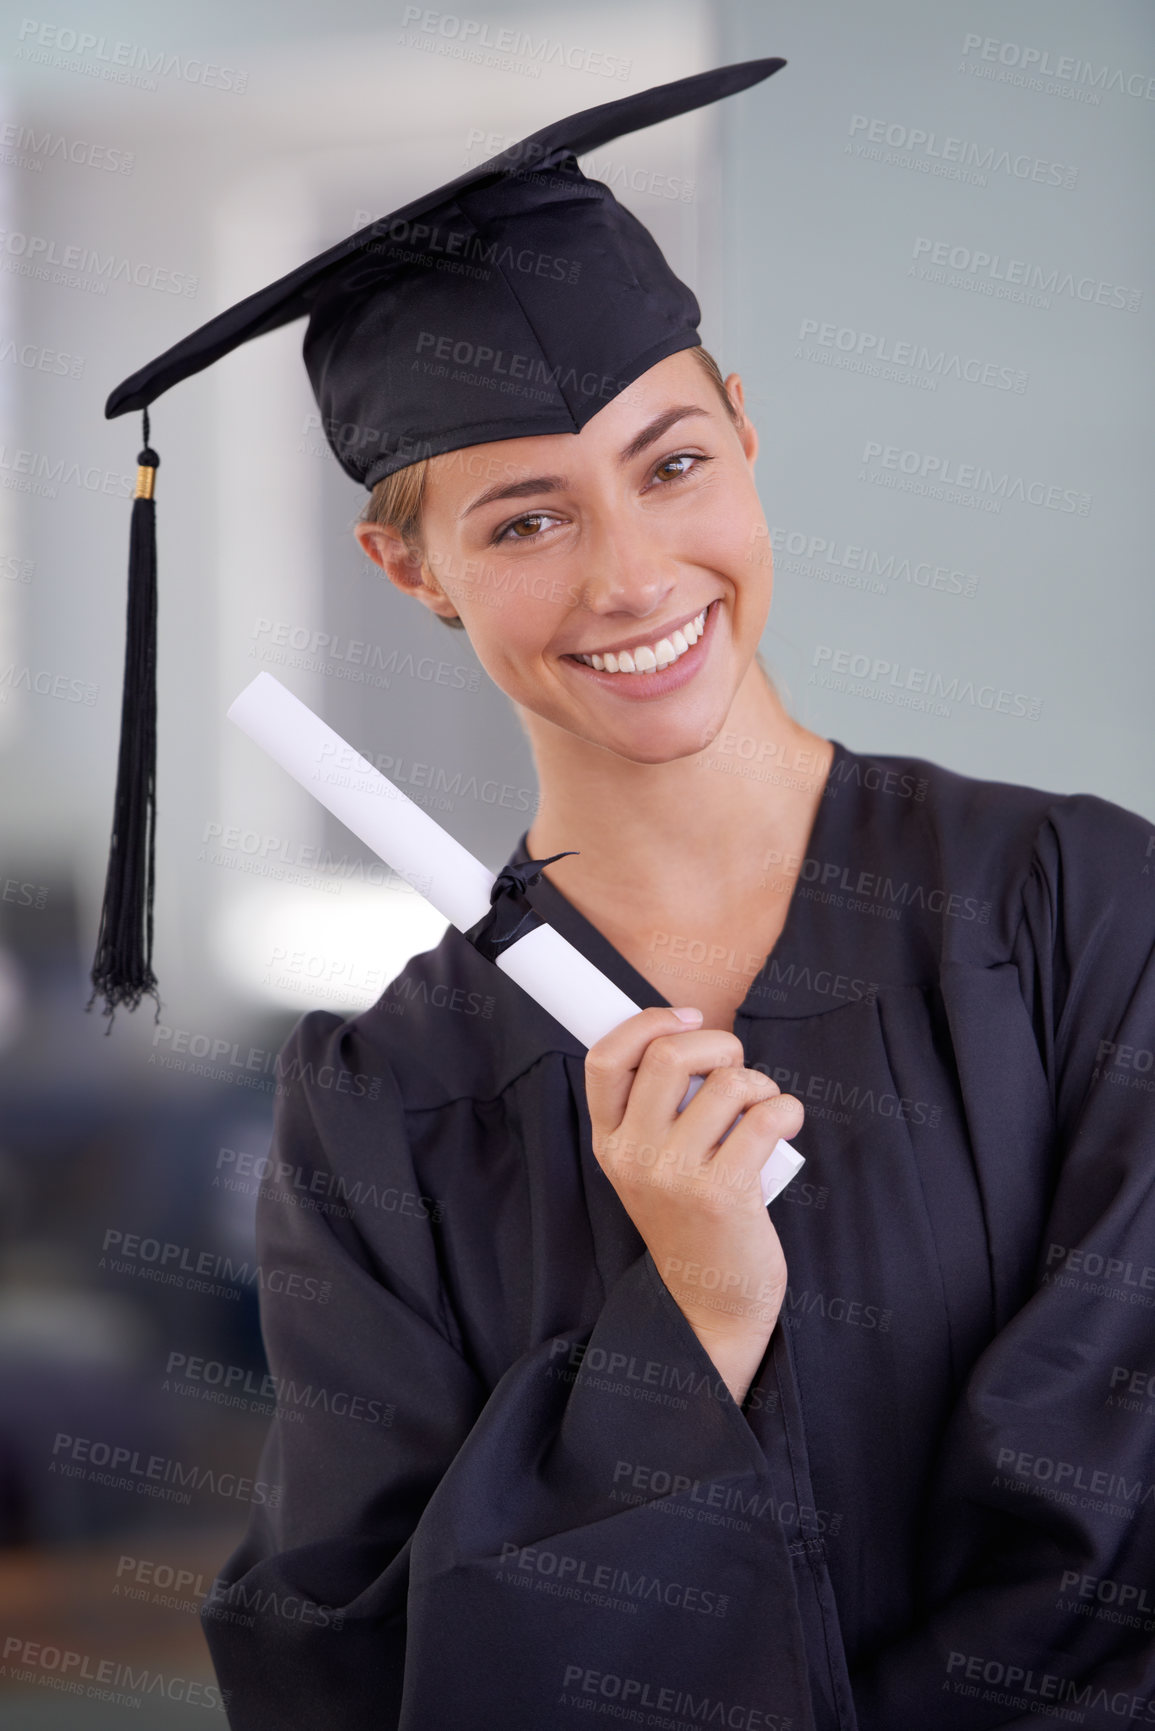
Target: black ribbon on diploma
[{"x": 510, "y": 915}]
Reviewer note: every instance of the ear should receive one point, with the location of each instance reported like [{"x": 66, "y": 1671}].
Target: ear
[
  {"x": 746, "y": 431},
  {"x": 404, "y": 565}
]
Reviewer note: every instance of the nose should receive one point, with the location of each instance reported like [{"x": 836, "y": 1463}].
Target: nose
[{"x": 630, "y": 574}]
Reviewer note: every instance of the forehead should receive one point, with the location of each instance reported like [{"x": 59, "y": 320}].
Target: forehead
[{"x": 679, "y": 378}]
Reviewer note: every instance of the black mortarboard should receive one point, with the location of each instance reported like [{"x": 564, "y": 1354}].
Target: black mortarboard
[{"x": 518, "y": 299}]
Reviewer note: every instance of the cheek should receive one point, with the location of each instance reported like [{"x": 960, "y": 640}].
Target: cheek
[
  {"x": 729, "y": 533},
  {"x": 475, "y": 586},
  {"x": 512, "y": 615}
]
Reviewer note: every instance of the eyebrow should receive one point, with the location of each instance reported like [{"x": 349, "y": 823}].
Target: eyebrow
[{"x": 558, "y": 483}]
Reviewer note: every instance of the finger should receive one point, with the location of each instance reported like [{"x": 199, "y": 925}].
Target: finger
[
  {"x": 692, "y": 1139},
  {"x": 735, "y": 1170},
  {"x": 613, "y": 1061},
  {"x": 669, "y": 1064},
  {"x": 725, "y": 1092}
]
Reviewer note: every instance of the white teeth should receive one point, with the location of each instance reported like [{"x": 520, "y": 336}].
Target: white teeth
[{"x": 648, "y": 658}]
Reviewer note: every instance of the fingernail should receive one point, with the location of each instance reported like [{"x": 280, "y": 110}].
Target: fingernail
[{"x": 688, "y": 1015}]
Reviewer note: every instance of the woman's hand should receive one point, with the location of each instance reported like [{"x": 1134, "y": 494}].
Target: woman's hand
[{"x": 698, "y": 1206}]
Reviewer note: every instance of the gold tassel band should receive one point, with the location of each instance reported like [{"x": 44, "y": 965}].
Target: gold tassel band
[{"x": 145, "y": 481}]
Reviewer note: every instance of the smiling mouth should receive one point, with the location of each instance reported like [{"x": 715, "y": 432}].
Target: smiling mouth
[{"x": 651, "y": 657}]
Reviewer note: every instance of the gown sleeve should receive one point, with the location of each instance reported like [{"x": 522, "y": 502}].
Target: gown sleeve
[
  {"x": 433, "y": 1553},
  {"x": 1040, "y": 1586}
]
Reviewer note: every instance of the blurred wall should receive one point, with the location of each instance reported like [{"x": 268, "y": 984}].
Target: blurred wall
[{"x": 939, "y": 284}]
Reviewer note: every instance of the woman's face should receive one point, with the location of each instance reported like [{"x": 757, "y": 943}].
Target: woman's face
[{"x": 575, "y": 543}]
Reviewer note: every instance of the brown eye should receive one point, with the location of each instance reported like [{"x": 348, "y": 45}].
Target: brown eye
[
  {"x": 531, "y": 527},
  {"x": 679, "y": 466},
  {"x": 520, "y": 525}
]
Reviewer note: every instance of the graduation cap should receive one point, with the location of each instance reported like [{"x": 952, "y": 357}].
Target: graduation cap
[{"x": 516, "y": 300}]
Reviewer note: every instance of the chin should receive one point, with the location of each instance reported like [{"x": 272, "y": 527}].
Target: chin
[{"x": 641, "y": 737}]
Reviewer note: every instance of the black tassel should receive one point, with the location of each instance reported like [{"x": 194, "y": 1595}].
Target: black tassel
[{"x": 122, "y": 969}]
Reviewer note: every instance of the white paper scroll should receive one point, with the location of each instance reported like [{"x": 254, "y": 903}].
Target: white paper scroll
[{"x": 543, "y": 963}]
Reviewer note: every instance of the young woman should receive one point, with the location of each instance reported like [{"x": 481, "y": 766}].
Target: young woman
[
  {"x": 582, "y": 1427},
  {"x": 568, "y": 1422}
]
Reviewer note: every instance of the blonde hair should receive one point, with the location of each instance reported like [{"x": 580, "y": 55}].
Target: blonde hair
[{"x": 396, "y": 502}]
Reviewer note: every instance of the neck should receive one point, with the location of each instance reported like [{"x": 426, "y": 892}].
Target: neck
[{"x": 693, "y": 832}]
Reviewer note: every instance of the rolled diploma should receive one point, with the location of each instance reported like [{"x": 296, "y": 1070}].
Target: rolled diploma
[{"x": 543, "y": 963}]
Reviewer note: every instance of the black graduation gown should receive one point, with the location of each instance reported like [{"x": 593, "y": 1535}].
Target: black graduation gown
[{"x": 513, "y": 1491}]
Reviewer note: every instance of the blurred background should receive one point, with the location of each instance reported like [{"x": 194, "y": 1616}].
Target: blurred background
[{"x": 926, "y": 246}]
